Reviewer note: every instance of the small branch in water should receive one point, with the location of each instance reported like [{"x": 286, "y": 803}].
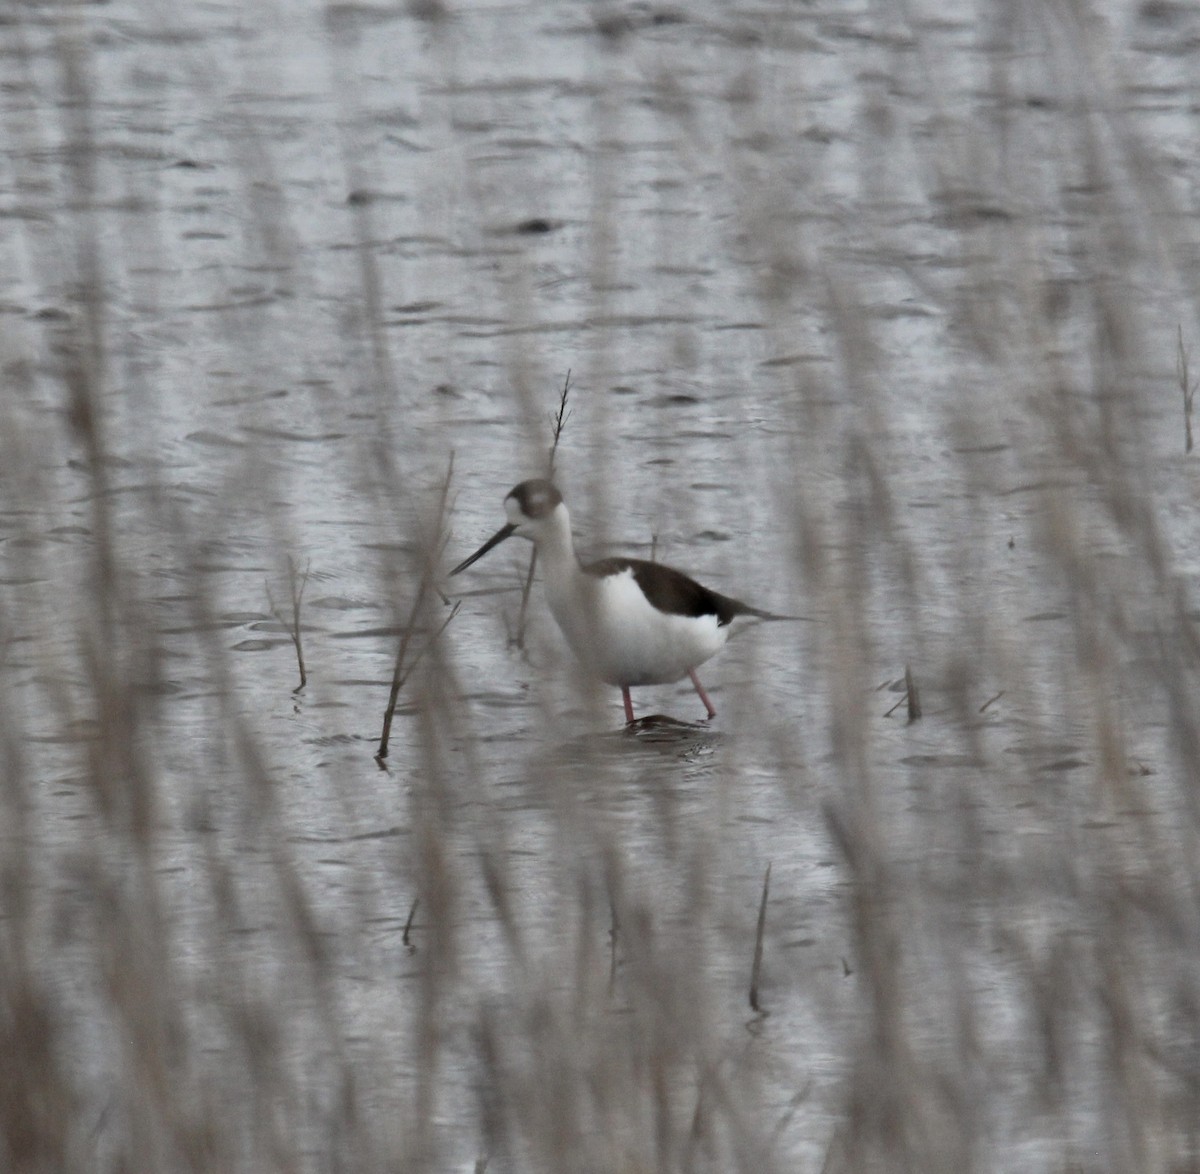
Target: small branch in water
[
  {"x": 409, "y": 923},
  {"x": 910, "y": 695},
  {"x": 990, "y": 702},
  {"x": 559, "y": 420},
  {"x": 756, "y": 969},
  {"x": 402, "y": 672},
  {"x": 296, "y": 585},
  {"x": 1188, "y": 387},
  {"x": 612, "y": 946},
  {"x": 914, "y": 697}
]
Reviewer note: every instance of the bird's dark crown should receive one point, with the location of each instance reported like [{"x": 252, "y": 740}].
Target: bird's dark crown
[{"x": 536, "y": 498}]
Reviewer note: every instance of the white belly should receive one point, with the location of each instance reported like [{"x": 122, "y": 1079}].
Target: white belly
[{"x": 621, "y": 639}]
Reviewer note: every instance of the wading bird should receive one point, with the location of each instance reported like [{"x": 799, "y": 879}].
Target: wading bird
[{"x": 631, "y": 622}]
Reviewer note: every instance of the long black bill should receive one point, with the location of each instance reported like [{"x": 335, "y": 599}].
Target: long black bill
[{"x": 495, "y": 540}]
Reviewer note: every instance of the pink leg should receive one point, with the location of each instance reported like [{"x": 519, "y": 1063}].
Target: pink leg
[
  {"x": 628, "y": 704},
  {"x": 712, "y": 712}
]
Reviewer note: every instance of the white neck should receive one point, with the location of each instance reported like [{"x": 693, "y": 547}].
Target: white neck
[{"x": 556, "y": 548}]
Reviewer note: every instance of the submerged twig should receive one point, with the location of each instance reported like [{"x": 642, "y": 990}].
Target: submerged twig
[
  {"x": 756, "y": 968},
  {"x": 559, "y": 420},
  {"x": 401, "y": 672},
  {"x": 296, "y": 585}
]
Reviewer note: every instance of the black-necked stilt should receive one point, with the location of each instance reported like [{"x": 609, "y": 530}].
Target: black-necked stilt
[{"x": 629, "y": 621}]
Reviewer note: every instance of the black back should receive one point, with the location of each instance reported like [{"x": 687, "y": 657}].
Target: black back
[{"x": 671, "y": 591}]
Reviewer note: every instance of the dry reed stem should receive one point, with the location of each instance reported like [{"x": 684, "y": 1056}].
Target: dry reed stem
[
  {"x": 1188, "y": 386},
  {"x": 401, "y": 671},
  {"x": 559, "y": 422},
  {"x": 296, "y": 586},
  {"x": 756, "y": 966}
]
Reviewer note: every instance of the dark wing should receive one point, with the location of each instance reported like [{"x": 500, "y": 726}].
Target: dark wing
[{"x": 671, "y": 591}]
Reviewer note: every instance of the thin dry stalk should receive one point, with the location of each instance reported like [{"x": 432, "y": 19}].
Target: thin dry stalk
[
  {"x": 1188, "y": 386},
  {"x": 913, "y": 695},
  {"x": 756, "y": 968},
  {"x": 613, "y": 930},
  {"x": 990, "y": 702},
  {"x": 560, "y": 422},
  {"x": 559, "y": 419},
  {"x": 296, "y": 585},
  {"x": 402, "y": 671}
]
